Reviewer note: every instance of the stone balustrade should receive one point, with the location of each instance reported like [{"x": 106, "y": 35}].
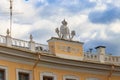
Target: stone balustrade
[
  {"x": 12, "y": 42},
  {"x": 91, "y": 57},
  {"x": 112, "y": 59},
  {"x": 20, "y": 43},
  {"x": 2, "y": 39},
  {"x": 107, "y": 58}
]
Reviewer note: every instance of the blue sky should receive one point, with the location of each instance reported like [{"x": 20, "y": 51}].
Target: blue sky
[{"x": 96, "y": 22}]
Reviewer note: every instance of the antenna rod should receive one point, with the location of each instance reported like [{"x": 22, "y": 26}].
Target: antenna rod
[{"x": 11, "y": 16}]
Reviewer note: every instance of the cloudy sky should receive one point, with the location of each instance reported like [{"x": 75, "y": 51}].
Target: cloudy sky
[{"x": 96, "y": 22}]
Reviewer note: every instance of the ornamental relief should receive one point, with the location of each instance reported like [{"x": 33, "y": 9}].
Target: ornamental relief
[{"x": 69, "y": 49}]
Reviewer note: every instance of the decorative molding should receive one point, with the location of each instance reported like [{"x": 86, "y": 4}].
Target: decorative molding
[
  {"x": 54, "y": 39},
  {"x": 70, "y": 77},
  {"x": 69, "y": 56},
  {"x": 24, "y": 71},
  {"x": 16, "y": 59},
  {"x": 68, "y": 49},
  {"x": 6, "y": 71},
  {"x": 92, "y": 78},
  {"x": 48, "y": 74},
  {"x": 15, "y": 52},
  {"x": 74, "y": 69}
]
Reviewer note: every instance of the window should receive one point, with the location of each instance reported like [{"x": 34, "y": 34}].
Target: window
[
  {"x": 70, "y": 77},
  {"x": 47, "y": 76},
  {"x": 3, "y": 73},
  {"x": 23, "y": 74}
]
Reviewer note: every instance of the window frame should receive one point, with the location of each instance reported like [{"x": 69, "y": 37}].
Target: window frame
[
  {"x": 70, "y": 77},
  {"x": 5, "y": 71},
  {"x": 24, "y": 71},
  {"x": 92, "y": 78},
  {"x": 49, "y": 74}
]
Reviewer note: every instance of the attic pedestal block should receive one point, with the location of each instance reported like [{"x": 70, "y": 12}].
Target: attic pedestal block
[{"x": 66, "y": 48}]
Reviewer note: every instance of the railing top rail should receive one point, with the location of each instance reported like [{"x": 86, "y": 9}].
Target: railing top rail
[
  {"x": 2, "y": 35},
  {"x": 19, "y": 40}
]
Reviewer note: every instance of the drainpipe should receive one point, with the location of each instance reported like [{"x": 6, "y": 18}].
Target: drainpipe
[
  {"x": 35, "y": 65},
  {"x": 111, "y": 72}
]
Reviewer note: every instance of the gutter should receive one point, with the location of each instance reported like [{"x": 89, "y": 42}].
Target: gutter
[
  {"x": 35, "y": 65},
  {"x": 111, "y": 71}
]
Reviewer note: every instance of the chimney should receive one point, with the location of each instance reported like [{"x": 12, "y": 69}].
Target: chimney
[
  {"x": 101, "y": 53},
  {"x": 100, "y": 50}
]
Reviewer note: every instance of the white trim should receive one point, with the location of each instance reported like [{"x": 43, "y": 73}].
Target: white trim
[
  {"x": 72, "y": 57},
  {"x": 92, "y": 78},
  {"x": 24, "y": 71},
  {"x": 6, "y": 71},
  {"x": 70, "y": 77},
  {"x": 65, "y": 41},
  {"x": 48, "y": 74}
]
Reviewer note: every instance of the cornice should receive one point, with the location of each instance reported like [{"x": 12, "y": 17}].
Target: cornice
[
  {"x": 16, "y": 53},
  {"x": 68, "y": 41},
  {"x": 78, "y": 65},
  {"x": 16, "y": 48},
  {"x": 83, "y": 61}
]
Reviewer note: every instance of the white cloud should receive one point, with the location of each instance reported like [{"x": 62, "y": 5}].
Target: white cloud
[
  {"x": 100, "y": 5},
  {"x": 70, "y": 2},
  {"x": 4, "y": 25},
  {"x": 76, "y": 20},
  {"x": 4, "y": 5},
  {"x": 116, "y": 3},
  {"x": 20, "y": 31},
  {"x": 115, "y": 27},
  {"x": 44, "y": 24},
  {"x": 26, "y": 10}
]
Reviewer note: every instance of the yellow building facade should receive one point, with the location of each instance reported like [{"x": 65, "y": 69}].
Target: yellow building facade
[{"x": 61, "y": 59}]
